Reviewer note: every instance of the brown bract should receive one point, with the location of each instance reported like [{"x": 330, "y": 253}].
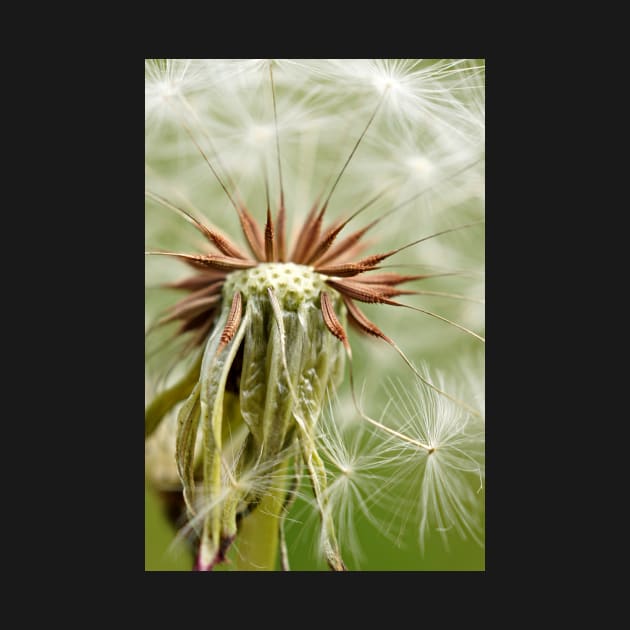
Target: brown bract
[{"x": 312, "y": 246}]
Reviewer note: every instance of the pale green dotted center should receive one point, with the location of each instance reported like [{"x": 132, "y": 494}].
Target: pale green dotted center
[{"x": 293, "y": 284}]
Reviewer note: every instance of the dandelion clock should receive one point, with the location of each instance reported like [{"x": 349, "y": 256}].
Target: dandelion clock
[{"x": 314, "y": 310}]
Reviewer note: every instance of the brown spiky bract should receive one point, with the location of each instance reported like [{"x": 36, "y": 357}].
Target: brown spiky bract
[{"x": 313, "y": 245}]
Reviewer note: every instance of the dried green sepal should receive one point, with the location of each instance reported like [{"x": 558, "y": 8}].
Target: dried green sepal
[
  {"x": 278, "y": 364},
  {"x": 214, "y": 373},
  {"x": 166, "y": 400}
]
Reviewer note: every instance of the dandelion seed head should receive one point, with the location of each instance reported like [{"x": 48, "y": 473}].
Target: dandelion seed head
[
  {"x": 261, "y": 134},
  {"x": 247, "y": 140},
  {"x": 292, "y": 284},
  {"x": 390, "y": 85},
  {"x": 167, "y": 80},
  {"x": 420, "y": 164}
]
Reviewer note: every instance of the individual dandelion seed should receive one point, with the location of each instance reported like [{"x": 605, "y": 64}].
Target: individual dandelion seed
[
  {"x": 440, "y": 465},
  {"x": 265, "y": 325},
  {"x": 358, "y": 464}
]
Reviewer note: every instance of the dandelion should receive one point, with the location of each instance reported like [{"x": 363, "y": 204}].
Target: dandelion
[{"x": 244, "y": 361}]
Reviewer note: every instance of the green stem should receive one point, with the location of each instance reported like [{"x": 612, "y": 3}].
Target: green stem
[{"x": 257, "y": 540}]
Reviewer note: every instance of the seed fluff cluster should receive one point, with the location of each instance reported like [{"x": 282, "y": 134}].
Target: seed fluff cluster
[{"x": 310, "y": 162}]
